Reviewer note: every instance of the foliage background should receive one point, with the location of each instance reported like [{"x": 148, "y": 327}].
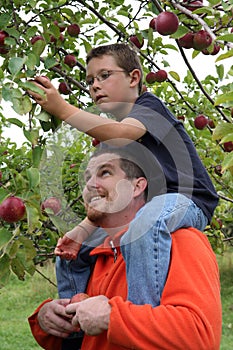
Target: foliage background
[{"x": 31, "y": 172}]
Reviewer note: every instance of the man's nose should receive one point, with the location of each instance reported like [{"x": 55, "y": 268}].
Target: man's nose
[{"x": 92, "y": 182}]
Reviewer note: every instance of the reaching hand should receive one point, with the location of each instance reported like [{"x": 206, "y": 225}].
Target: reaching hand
[{"x": 67, "y": 248}]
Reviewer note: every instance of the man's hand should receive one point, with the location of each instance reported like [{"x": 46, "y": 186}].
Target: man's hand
[
  {"x": 54, "y": 320},
  {"x": 92, "y": 314}
]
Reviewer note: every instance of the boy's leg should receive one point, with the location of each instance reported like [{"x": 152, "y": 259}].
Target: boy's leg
[
  {"x": 73, "y": 275},
  {"x": 147, "y": 243}
]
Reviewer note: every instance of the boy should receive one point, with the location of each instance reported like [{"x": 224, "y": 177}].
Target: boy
[{"x": 181, "y": 191}]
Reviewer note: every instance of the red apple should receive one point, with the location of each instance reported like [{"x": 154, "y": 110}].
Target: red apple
[
  {"x": 151, "y": 78},
  {"x": 36, "y": 38},
  {"x": 64, "y": 88},
  {"x": 167, "y": 23},
  {"x": 201, "y": 40},
  {"x": 54, "y": 40},
  {"x": 181, "y": 117},
  {"x": 160, "y": 75},
  {"x": 61, "y": 26},
  {"x": 73, "y": 30},
  {"x": 136, "y": 41},
  {"x": 214, "y": 51},
  {"x": 78, "y": 297},
  {"x": 186, "y": 41},
  {"x": 0, "y": 175},
  {"x": 70, "y": 60},
  {"x": 52, "y": 203},
  {"x": 200, "y": 122},
  {"x": 193, "y": 5},
  {"x": 12, "y": 209},
  {"x": 72, "y": 165},
  {"x": 211, "y": 123},
  {"x": 95, "y": 142},
  {"x": 3, "y": 35},
  {"x": 228, "y": 146},
  {"x": 152, "y": 23},
  {"x": 4, "y": 49}
]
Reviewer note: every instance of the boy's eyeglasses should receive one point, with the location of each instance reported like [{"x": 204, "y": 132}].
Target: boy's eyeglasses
[{"x": 103, "y": 75}]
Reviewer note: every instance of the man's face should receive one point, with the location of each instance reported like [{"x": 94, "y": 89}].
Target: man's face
[
  {"x": 111, "y": 95},
  {"x": 107, "y": 192}
]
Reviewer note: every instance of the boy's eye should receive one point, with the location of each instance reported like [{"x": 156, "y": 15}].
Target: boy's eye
[{"x": 104, "y": 75}]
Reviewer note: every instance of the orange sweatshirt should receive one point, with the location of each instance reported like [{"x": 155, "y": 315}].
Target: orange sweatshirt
[{"x": 188, "y": 318}]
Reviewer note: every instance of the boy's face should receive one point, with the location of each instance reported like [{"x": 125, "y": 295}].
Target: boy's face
[{"x": 110, "y": 86}]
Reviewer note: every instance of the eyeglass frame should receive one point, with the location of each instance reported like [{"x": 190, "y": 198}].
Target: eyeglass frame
[{"x": 100, "y": 79}]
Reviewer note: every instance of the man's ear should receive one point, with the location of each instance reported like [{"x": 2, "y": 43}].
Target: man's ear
[
  {"x": 140, "y": 185},
  {"x": 135, "y": 77}
]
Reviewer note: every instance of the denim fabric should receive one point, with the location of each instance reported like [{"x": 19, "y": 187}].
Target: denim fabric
[
  {"x": 145, "y": 247},
  {"x": 73, "y": 275},
  {"x": 147, "y": 243}
]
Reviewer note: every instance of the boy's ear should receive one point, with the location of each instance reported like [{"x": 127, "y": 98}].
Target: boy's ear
[
  {"x": 140, "y": 185},
  {"x": 135, "y": 77}
]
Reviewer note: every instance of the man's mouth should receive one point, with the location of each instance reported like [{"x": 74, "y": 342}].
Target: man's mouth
[{"x": 96, "y": 198}]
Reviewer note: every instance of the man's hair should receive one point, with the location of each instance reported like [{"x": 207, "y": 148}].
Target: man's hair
[
  {"x": 128, "y": 163},
  {"x": 125, "y": 56}
]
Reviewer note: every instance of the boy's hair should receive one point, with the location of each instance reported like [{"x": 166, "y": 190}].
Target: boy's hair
[
  {"x": 125, "y": 56},
  {"x": 128, "y": 163}
]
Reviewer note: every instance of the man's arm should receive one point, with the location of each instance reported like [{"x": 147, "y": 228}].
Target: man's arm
[{"x": 94, "y": 125}]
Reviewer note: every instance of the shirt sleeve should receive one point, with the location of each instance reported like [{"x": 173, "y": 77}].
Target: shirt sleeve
[
  {"x": 189, "y": 316},
  {"x": 45, "y": 340}
]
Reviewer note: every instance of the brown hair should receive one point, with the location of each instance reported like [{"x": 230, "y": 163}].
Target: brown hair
[{"x": 125, "y": 56}]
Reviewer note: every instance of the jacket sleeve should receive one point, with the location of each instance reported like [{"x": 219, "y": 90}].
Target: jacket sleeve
[
  {"x": 189, "y": 316},
  {"x": 45, "y": 340}
]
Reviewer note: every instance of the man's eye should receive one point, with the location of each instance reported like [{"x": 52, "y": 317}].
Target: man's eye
[{"x": 105, "y": 173}]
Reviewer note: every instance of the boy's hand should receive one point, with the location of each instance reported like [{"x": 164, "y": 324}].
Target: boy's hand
[
  {"x": 53, "y": 103},
  {"x": 67, "y": 248}
]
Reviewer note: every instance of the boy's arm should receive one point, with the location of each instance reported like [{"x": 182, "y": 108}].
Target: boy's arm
[
  {"x": 102, "y": 129},
  {"x": 69, "y": 245}
]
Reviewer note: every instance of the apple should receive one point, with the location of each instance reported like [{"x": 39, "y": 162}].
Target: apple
[
  {"x": 61, "y": 26},
  {"x": 3, "y": 35},
  {"x": 0, "y": 175},
  {"x": 186, "y": 41},
  {"x": 228, "y": 146},
  {"x": 218, "y": 170},
  {"x": 12, "y": 209},
  {"x": 211, "y": 123},
  {"x": 201, "y": 40},
  {"x": 200, "y": 121},
  {"x": 95, "y": 142},
  {"x": 78, "y": 297},
  {"x": 160, "y": 75},
  {"x": 151, "y": 78},
  {"x": 181, "y": 117},
  {"x": 193, "y": 5},
  {"x": 36, "y": 38},
  {"x": 152, "y": 23},
  {"x": 214, "y": 51},
  {"x": 54, "y": 40},
  {"x": 72, "y": 165},
  {"x": 64, "y": 88},
  {"x": 52, "y": 203},
  {"x": 70, "y": 60},
  {"x": 167, "y": 23},
  {"x": 232, "y": 112},
  {"x": 136, "y": 41},
  {"x": 73, "y": 30},
  {"x": 4, "y": 49}
]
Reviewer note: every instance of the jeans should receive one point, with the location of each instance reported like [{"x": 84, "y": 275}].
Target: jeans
[{"x": 145, "y": 247}]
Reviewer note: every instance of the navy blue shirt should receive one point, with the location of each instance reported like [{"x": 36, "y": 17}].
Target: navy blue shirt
[{"x": 170, "y": 159}]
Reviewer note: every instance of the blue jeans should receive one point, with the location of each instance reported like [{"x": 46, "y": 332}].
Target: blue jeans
[{"x": 145, "y": 247}]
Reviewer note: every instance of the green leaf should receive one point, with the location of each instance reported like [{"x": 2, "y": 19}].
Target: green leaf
[
  {"x": 227, "y": 97},
  {"x": 15, "y": 121},
  {"x": 227, "y": 162},
  {"x": 225, "y": 37},
  {"x": 44, "y": 116},
  {"x": 22, "y": 106},
  {"x": 4, "y": 270},
  {"x": 4, "y": 19},
  {"x": 228, "y": 54},
  {"x": 38, "y": 47},
  {"x": 33, "y": 176},
  {"x": 16, "y": 64},
  {"x": 28, "y": 85},
  {"x": 175, "y": 75},
  {"x": 220, "y": 71},
  {"x": 18, "y": 268},
  {"x": 36, "y": 155},
  {"x": 32, "y": 61},
  {"x": 226, "y": 138},
  {"x": 50, "y": 62},
  {"x": 32, "y": 218},
  {"x": 221, "y": 130},
  {"x": 5, "y": 237}
]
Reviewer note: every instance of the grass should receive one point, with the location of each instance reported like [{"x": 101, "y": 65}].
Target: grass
[{"x": 19, "y": 299}]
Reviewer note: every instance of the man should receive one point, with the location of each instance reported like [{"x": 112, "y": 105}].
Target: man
[{"x": 189, "y": 314}]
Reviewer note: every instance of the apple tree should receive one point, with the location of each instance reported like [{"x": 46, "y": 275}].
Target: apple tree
[{"x": 41, "y": 179}]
